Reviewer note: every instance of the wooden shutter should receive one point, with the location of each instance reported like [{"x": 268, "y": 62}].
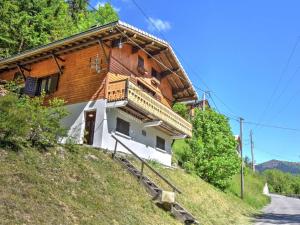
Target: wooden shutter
[
  {"x": 31, "y": 86},
  {"x": 53, "y": 80}
]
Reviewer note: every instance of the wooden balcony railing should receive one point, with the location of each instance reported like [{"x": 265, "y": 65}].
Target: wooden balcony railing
[
  {"x": 126, "y": 90},
  {"x": 117, "y": 91}
]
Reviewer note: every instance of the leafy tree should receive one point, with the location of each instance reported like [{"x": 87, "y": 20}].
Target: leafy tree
[
  {"x": 181, "y": 109},
  {"x": 25, "y": 24},
  {"x": 103, "y": 15},
  {"x": 212, "y": 149},
  {"x": 282, "y": 183}
]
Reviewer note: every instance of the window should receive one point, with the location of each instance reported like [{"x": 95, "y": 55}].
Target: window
[
  {"x": 144, "y": 133},
  {"x": 140, "y": 62},
  {"x": 48, "y": 84},
  {"x": 155, "y": 74},
  {"x": 160, "y": 143},
  {"x": 34, "y": 86},
  {"x": 123, "y": 126}
]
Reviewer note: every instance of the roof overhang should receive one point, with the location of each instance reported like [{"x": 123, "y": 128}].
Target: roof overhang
[{"x": 157, "y": 48}]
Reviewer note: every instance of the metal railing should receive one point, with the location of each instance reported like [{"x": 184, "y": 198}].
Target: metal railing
[{"x": 143, "y": 163}]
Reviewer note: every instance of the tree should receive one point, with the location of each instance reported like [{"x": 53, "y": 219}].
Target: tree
[
  {"x": 212, "y": 149},
  {"x": 25, "y": 24},
  {"x": 181, "y": 109},
  {"x": 282, "y": 183}
]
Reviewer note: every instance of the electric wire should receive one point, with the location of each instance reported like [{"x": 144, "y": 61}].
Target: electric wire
[{"x": 270, "y": 101}]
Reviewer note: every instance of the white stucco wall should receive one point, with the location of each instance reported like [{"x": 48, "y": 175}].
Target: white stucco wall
[
  {"x": 75, "y": 122},
  {"x": 105, "y": 125}
]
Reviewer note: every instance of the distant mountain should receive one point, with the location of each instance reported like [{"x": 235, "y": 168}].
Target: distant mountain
[{"x": 284, "y": 166}]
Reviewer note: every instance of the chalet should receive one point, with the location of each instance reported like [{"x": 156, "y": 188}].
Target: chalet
[{"x": 115, "y": 79}]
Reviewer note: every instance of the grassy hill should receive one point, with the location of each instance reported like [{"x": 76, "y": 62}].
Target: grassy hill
[{"x": 88, "y": 187}]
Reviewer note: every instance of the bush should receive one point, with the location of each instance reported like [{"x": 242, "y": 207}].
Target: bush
[
  {"x": 181, "y": 109},
  {"x": 212, "y": 149},
  {"x": 30, "y": 120},
  {"x": 14, "y": 125},
  {"x": 282, "y": 183}
]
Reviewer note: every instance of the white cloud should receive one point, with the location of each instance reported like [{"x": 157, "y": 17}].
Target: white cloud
[
  {"x": 158, "y": 24},
  {"x": 102, "y": 3}
]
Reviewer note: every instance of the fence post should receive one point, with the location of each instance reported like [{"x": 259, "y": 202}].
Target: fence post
[
  {"x": 142, "y": 171},
  {"x": 115, "y": 150}
]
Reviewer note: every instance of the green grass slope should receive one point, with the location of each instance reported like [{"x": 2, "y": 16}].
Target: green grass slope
[
  {"x": 60, "y": 187},
  {"x": 207, "y": 203},
  {"x": 253, "y": 186},
  {"x": 66, "y": 188}
]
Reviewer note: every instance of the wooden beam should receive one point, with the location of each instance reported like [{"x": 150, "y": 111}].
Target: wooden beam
[
  {"x": 21, "y": 71},
  {"x": 115, "y": 43},
  {"x": 58, "y": 57},
  {"x": 46, "y": 55},
  {"x": 24, "y": 68},
  {"x": 179, "y": 90},
  {"x": 157, "y": 52},
  {"x": 169, "y": 72},
  {"x": 103, "y": 49},
  {"x": 59, "y": 67},
  {"x": 135, "y": 49}
]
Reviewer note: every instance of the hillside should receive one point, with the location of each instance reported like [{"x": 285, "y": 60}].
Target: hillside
[
  {"x": 284, "y": 166},
  {"x": 88, "y": 187}
]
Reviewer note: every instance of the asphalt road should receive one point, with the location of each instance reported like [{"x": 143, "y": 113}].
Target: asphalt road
[{"x": 282, "y": 210}]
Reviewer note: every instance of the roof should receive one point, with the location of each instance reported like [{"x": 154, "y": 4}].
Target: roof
[{"x": 158, "y": 48}]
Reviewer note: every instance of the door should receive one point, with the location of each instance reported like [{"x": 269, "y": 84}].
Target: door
[{"x": 90, "y": 118}]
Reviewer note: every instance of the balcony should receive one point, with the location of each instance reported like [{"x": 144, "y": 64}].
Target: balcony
[{"x": 136, "y": 98}]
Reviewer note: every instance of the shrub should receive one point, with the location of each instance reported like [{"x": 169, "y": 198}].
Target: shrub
[
  {"x": 34, "y": 120},
  {"x": 181, "y": 109},
  {"x": 14, "y": 127}
]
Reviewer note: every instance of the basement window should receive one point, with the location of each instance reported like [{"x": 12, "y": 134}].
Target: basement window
[
  {"x": 122, "y": 126},
  {"x": 160, "y": 143}
]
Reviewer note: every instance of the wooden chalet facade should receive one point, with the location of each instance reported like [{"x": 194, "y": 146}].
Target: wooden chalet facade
[{"x": 115, "y": 79}]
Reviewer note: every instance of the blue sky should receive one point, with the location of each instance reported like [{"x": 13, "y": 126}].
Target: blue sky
[{"x": 240, "y": 49}]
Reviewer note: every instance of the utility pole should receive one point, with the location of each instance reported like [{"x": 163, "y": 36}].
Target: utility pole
[
  {"x": 204, "y": 101},
  {"x": 252, "y": 147},
  {"x": 242, "y": 164}
]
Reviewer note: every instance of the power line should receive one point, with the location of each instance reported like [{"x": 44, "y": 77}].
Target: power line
[
  {"x": 272, "y": 126},
  {"x": 181, "y": 58},
  {"x": 270, "y": 102},
  {"x": 158, "y": 61},
  {"x": 273, "y": 154}
]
